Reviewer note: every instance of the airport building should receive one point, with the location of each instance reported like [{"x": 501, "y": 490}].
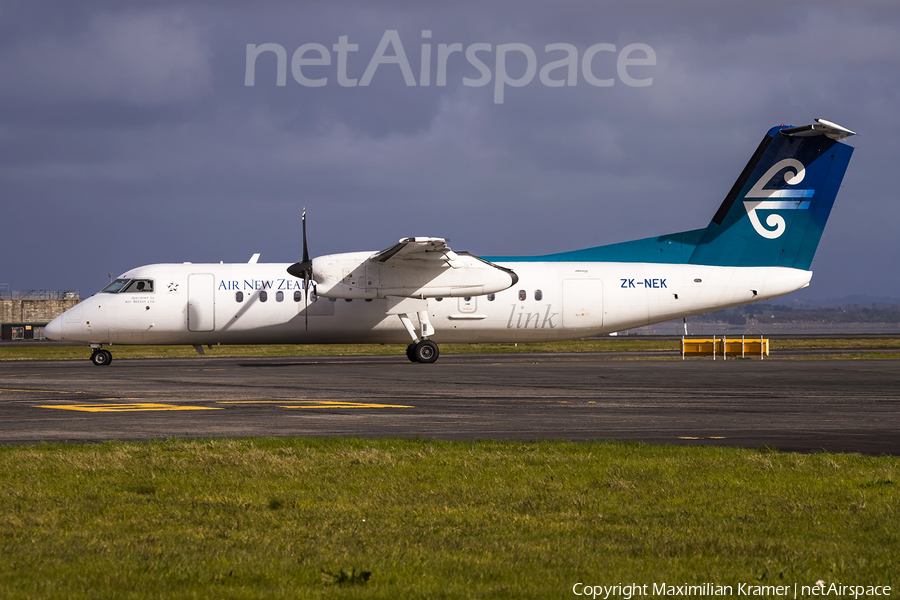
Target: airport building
[{"x": 23, "y": 314}]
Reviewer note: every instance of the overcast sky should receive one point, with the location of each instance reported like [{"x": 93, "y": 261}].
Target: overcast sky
[{"x": 129, "y": 134}]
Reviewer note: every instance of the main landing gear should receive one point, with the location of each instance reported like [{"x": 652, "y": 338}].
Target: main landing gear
[
  {"x": 422, "y": 350},
  {"x": 101, "y": 357},
  {"x": 425, "y": 351}
]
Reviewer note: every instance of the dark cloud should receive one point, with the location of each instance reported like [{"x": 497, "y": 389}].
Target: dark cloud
[{"x": 127, "y": 135}]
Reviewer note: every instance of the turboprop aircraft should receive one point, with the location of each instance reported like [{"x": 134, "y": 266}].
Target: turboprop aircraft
[{"x": 759, "y": 245}]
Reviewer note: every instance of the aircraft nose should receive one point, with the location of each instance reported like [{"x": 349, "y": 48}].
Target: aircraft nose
[{"x": 53, "y": 329}]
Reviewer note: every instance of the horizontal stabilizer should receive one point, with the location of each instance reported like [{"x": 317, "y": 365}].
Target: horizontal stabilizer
[{"x": 820, "y": 127}]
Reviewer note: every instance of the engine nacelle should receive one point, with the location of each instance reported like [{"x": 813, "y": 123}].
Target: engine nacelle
[{"x": 360, "y": 275}]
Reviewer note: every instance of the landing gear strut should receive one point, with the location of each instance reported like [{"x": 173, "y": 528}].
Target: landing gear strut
[
  {"x": 101, "y": 358},
  {"x": 422, "y": 350}
]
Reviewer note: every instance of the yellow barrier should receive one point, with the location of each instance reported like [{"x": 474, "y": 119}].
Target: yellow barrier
[{"x": 725, "y": 347}]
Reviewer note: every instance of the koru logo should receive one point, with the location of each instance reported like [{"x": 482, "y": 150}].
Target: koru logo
[
  {"x": 793, "y": 198},
  {"x": 173, "y": 287}
]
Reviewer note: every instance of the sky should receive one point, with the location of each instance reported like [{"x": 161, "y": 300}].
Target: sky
[{"x": 135, "y": 133}]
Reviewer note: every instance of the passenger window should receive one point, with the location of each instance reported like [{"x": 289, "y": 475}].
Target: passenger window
[
  {"x": 492, "y": 297},
  {"x": 439, "y": 299},
  {"x": 239, "y": 296},
  {"x": 263, "y": 295},
  {"x": 298, "y": 296},
  {"x": 279, "y": 296},
  {"x": 538, "y": 294},
  {"x": 523, "y": 295}
]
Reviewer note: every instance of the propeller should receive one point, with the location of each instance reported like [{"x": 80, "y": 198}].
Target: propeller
[{"x": 303, "y": 269}]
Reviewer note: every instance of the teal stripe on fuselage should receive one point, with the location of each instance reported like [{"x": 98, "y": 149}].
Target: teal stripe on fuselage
[
  {"x": 774, "y": 214},
  {"x": 674, "y": 248}
]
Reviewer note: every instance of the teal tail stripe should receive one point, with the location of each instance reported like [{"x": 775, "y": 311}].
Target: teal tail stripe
[{"x": 774, "y": 214}]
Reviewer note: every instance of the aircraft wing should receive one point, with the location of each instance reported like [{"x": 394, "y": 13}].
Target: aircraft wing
[
  {"x": 433, "y": 252},
  {"x": 415, "y": 267}
]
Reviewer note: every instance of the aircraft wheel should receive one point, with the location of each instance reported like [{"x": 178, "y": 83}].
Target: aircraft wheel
[
  {"x": 410, "y": 353},
  {"x": 426, "y": 351},
  {"x": 101, "y": 358}
]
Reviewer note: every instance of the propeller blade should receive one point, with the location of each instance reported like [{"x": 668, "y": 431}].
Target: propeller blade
[
  {"x": 304, "y": 267},
  {"x": 305, "y": 250},
  {"x": 306, "y": 301}
]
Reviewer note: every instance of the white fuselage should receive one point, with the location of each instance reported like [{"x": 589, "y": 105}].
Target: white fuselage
[{"x": 200, "y": 304}]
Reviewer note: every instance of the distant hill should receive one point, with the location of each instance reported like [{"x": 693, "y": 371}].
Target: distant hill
[
  {"x": 850, "y": 315},
  {"x": 844, "y": 312},
  {"x": 855, "y": 299}
]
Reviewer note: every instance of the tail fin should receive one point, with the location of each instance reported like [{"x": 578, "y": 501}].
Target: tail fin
[{"x": 775, "y": 212}]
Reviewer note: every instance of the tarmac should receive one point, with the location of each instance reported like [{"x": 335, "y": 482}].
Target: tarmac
[{"x": 844, "y": 405}]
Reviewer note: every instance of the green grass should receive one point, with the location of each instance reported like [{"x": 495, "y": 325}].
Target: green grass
[
  {"x": 26, "y": 351},
  {"x": 301, "y": 518},
  {"x": 843, "y": 343}
]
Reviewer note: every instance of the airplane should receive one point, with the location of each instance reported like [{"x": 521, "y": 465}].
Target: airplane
[{"x": 759, "y": 245}]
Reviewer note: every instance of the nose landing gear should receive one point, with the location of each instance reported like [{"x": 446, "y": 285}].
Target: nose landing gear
[{"x": 101, "y": 357}]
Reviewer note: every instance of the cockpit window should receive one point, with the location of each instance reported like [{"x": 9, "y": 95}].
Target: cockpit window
[
  {"x": 124, "y": 286},
  {"x": 140, "y": 286},
  {"x": 115, "y": 286}
]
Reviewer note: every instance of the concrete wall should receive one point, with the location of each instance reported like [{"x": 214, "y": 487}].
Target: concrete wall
[{"x": 34, "y": 311}]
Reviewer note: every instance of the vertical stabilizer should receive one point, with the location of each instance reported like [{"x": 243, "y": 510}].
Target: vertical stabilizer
[{"x": 776, "y": 211}]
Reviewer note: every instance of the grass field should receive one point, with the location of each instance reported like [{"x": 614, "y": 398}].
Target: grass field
[
  {"x": 868, "y": 347},
  {"x": 349, "y": 518}
]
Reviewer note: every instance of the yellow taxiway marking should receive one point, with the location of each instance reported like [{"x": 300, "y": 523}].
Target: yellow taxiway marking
[
  {"x": 315, "y": 404},
  {"x": 137, "y": 406}
]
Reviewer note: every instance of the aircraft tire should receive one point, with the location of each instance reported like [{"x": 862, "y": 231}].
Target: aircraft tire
[
  {"x": 426, "y": 351},
  {"x": 101, "y": 358},
  {"x": 411, "y": 353}
]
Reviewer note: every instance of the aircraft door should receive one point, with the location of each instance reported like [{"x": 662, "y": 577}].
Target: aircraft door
[
  {"x": 201, "y": 302},
  {"x": 582, "y": 303}
]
